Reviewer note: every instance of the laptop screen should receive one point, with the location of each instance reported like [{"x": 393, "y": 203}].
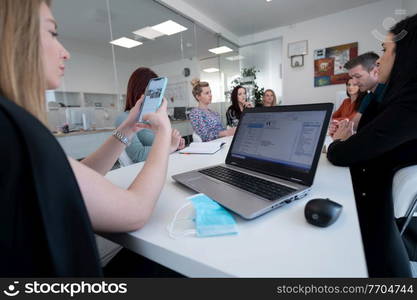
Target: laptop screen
[{"x": 282, "y": 141}]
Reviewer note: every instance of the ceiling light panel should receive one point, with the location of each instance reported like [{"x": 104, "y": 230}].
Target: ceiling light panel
[
  {"x": 169, "y": 27},
  {"x": 220, "y": 50},
  {"x": 211, "y": 70}
]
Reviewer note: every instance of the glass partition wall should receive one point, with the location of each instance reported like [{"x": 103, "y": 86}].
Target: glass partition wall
[
  {"x": 88, "y": 86},
  {"x": 93, "y": 90}
]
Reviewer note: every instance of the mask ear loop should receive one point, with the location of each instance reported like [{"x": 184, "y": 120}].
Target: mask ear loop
[{"x": 170, "y": 226}]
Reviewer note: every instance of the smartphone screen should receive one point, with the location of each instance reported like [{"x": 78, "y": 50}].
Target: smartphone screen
[{"x": 153, "y": 96}]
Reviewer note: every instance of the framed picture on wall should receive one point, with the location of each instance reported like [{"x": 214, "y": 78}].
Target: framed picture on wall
[
  {"x": 297, "y": 61},
  {"x": 329, "y": 64},
  {"x": 297, "y": 48}
]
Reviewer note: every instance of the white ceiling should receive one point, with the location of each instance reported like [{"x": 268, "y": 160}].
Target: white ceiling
[
  {"x": 84, "y": 26},
  {"x": 245, "y": 17}
]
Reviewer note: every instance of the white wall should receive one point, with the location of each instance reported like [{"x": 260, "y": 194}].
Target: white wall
[
  {"x": 174, "y": 72},
  {"x": 267, "y": 58},
  {"x": 94, "y": 74},
  {"x": 353, "y": 25},
  {"x": 90, "y": 69}
]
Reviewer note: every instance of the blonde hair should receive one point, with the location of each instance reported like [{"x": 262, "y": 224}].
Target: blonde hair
[
  {"x": 22, "y": 78},
  {"x": 274, "y": 103},
  {"x": 198, "y": 87}
]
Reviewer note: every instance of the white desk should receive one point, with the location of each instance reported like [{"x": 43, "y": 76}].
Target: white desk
[{"x": 278, "y": 244}]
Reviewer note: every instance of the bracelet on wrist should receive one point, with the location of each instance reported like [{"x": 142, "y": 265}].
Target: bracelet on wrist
[{"x": 121, "y": 137}]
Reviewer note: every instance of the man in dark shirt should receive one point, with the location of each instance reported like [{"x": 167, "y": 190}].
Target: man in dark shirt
[
  {"x": 364, "y": 72},
  {"x": 386, "y": 141}
]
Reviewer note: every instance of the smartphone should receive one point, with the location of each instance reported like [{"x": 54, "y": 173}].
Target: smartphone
[{"x": 154, "y": 94}]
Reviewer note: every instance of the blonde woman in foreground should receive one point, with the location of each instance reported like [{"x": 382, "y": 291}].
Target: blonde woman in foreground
[{"x": 51, "y": 203}]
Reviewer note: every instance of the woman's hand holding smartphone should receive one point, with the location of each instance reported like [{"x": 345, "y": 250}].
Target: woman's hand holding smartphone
[
  {"x": 130, "y": 126},
  {"x": 153, "y": 96},
  {"x": 154, "y": 121},
  {"x": 158, "y": 120}
]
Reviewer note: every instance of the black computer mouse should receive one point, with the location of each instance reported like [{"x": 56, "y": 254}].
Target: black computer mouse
[{"x": 322, "y": 212}]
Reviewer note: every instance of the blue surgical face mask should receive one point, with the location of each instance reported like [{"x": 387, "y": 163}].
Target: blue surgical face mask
[{"x": 210, "y": 219}]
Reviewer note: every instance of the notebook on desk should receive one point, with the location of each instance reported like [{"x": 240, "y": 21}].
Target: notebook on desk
[{"x": 272, "y": 159}]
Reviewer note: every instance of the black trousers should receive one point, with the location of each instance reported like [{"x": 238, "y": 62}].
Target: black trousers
[
  {"x": 129, "y": 264},
  {"x": 385, "y": 252}
]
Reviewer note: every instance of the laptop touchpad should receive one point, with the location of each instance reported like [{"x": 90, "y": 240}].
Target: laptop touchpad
[{"x": 201, "y": 183}]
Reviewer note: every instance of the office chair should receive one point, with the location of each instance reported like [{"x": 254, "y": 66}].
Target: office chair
[
  {"x": 404, "y": 195},
  {"x": 124, "y": 159}
]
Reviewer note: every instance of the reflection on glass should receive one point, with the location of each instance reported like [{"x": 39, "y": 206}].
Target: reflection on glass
[{"x": 98, "y": 72}]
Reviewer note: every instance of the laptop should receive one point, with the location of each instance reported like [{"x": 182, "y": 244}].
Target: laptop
[{"x": 272, "y": 159}]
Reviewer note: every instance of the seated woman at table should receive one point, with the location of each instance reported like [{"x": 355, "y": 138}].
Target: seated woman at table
[
  {"x": 205, "y": 122},
  {"x": 269, "y": 99},
  {"x": 386, "y": 141},
  {"x": 50, "y": 202},
  {"x": 142, "y": 141},
  {"x": 239, "y": 102},
  {"x": 349, "y": 107}
]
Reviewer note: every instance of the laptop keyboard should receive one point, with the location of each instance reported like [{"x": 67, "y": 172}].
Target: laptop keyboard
[{"x": 264, "y": 188}]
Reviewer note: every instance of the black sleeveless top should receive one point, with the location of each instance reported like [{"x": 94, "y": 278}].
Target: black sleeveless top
[{"x": 45, "y": 229}]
